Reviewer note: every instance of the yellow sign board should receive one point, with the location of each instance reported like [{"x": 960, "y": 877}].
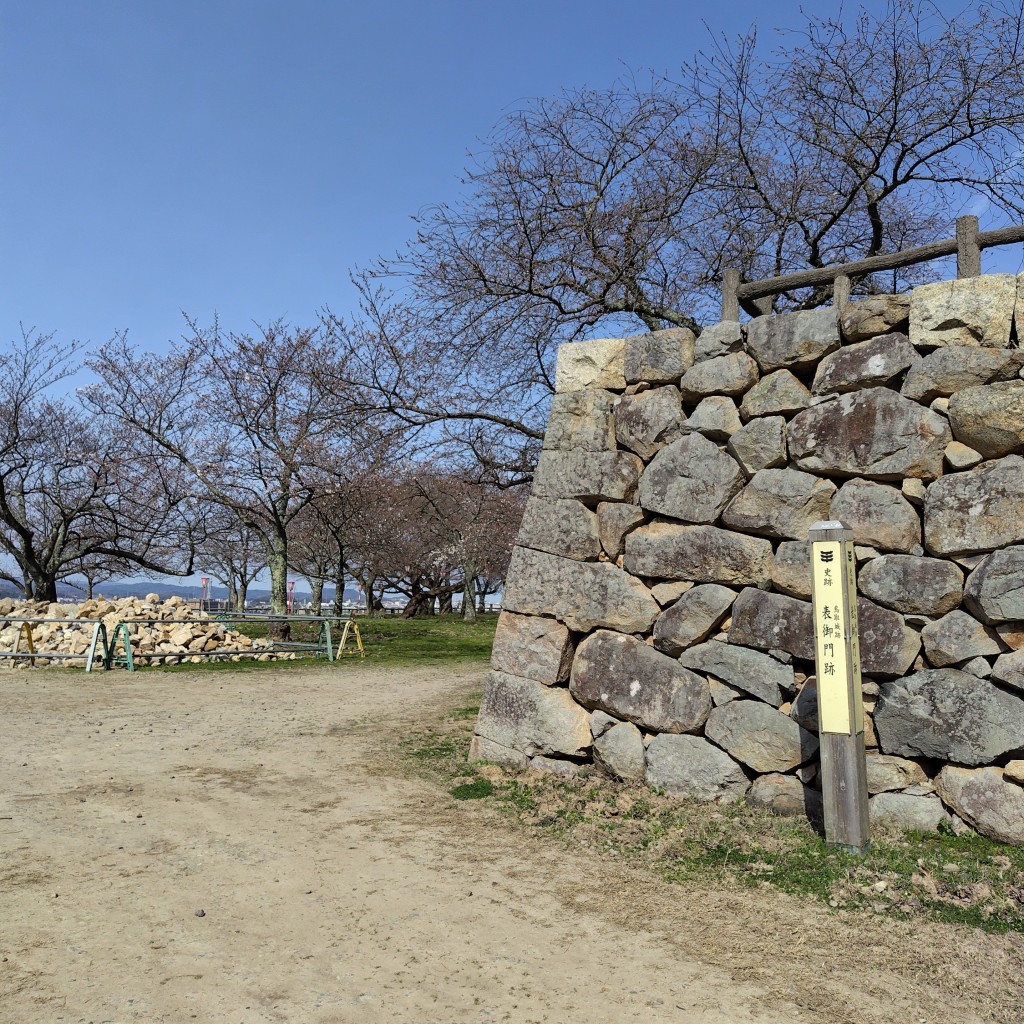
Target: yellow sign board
[{"x": 837, "y": 648}]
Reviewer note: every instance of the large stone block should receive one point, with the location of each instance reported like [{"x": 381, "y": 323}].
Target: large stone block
[
  {"x": 957, "y": 637},
  {"x": 990, "y": 418},
  {"x": 995, "y": 590},
  {"x": 906, "y": 813},
  {"x": 879, "y": 516},
  {"x": 791, "y": 569},
  {"x": 887, "y": 772},
  {"x": 785, "y": 796},
  {"x": 646, "y": 422},
  {"x": 793, "y": 341},
  {"x": 780, "y": 503},
  {"x": 525, "y": 717},
  {"x": 761, "y": 444},
  {"x": 716, "y": 417},
  {"x": 985, "y": 800},
  {"x": 888, "y": 646},
  {"x": 614, "y": 520},
  {"x": 759, "y": 736},
  {"x": 877, "y": 314},
  {"x": 701, "y": 554},
  {"x": 622, "y": 676},
  {"x": 777, "y": 394},
  {"x": 868, "y": 364},
  {"x": 533, "y": 648},
  {"x": 755, "y": 673},
  {"x": 588, "y": 476},
  {"x": 912, "y": 585},
  {"x": 971, "y": 311},
  {"x": 875, "y": 433},
  {"x": 976, "y": 511},
  {"x": 692, "y": 618},
  {"x": 1009, "y": 670},
  {"x": 600, "y": 363},
  {"x": 948, "y": 715},
  {"x": 772, "y": 622},
  {"x": 583, "y": 595},
  {"x": 948, "y": 370},
  {"x": 581, "y": 420},
  {"x": 659, "y": 357},
  {"x": 719, "y": 340},
  {"x": 691, "y": 766},
  {"x": 690, "y": 479},
  {"x": 724, "y": 375},
  {"x": 560, "y": 526},
  {"x": 620, "y": 752}
]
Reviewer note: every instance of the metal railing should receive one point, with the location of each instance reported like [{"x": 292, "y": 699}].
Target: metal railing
[
  {"x": 97, "y": 643},
  {"x": 755, "y": 297}
]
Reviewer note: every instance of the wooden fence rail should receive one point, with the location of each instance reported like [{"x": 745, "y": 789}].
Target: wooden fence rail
[{"x": 755, "y": 297}]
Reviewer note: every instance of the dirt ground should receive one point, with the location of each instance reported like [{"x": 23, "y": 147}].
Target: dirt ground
[{"x": 225, "y": 847}]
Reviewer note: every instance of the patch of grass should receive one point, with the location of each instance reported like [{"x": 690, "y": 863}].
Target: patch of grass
[{"x": 966, "y": 879}]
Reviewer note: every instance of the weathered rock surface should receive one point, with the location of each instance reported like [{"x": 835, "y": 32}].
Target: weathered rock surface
[
  {"x": 600, "y": 363},
  {"x": 912, "y": 584},
  {"x": 583, "y": 595},
  {"x": 556, "y": 766},
  {"x": 692, "y": 618},
  {"x": 990, "y": 418},
  {"x": 668, "y": 593},
  {"x": 614, "y": 520},
  {"x": 719, "y": 340},
  {"x": 560, "y": 526},
  {"x": 887, "y": 773},
  {"x": 877, "y": 314},
  {"x": 690, "y": 479},
  {"x": 703, "y": 554},
  {"x": 791, "y": 569},
  {"x": 785, "y": 796},
  {"x": 759, "y": 736},
  {"x": 750, "y": 671},
  {"x": 794, "y": 341},
  {"x": 875, "y": 433},
  {"x": 692, "y": 766},
  {"x": 600, "y": 723},
  {"x": 958, "y": 637},
  {"x": 970, "y": 311},
  {"x": 958, "y": 456},
  {"x": 805, "y": 705},
  {"x": 995, "y": 590},
  {"x": 778, "y": 394},
  {"x": 646, "y": 422},
  {"x": 868, "y": 364},
  {"x": 985, "y": 800},
  {"x": 732, "y": 374},
  {"x": 977, "y": 510},
  {"x": 772, "y": 622},
  {"x": 1009, "y": 669},
  {"x": 880, "y": 516},
  {"x": 588, "y": 476},
  {"x": 581, "y": 420},
  {"x": 624, "y": 677},
  {"x": 948, "y": 370},
  {"x": 761, "y": 444},
  {"x": 527, "y": 718},
  {"x": 888, "y": 646},
  {"x": 948, "y": 715},
  {"x": 532, "y": 648},
  {"x": 1014, "y": 770},
  {"x": 780, "y": 503},
  {"x": 659, "y": 357},
  {"x": 906, "y": 813},
  {"x": 620, "y": 752},
  {"x": 715, "y": 417}
]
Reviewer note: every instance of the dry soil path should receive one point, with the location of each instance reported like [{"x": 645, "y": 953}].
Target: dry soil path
[{"x": 221, "y": 847}]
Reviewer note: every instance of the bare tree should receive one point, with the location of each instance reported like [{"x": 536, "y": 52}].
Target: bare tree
[{"x": 232, "y": 554}]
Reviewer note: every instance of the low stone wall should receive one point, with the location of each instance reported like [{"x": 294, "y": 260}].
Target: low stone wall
[{"x": 657, "y": 621}]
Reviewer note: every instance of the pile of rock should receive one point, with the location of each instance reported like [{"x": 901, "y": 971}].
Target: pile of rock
[
  {"x": 178, "y": 633},
  {"x": 657, "y": 618}
]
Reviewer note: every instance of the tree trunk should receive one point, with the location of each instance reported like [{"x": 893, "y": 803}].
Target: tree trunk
[
  {"x": 445, "y": 603},
  {"x": 240, "y": 595},
  {"x": 316, "y": 588},
  {"x": 468, "y": 603},
  {"x": 44, "y": 588},
  {"x": 277, "y": 563}
]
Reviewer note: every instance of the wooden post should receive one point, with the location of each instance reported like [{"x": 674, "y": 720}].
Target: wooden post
[
  {"x": 730, "y": 296},
  {"x": 841, "y": 292},
  {"x": 840, "y": 702},
  {"x": 968, "y": 252}
]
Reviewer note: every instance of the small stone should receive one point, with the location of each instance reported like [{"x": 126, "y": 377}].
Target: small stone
[
  {"x": 959, "y": 456},
  {"x": 914, "y": 491},
  {"x": 1014, "y": 771},
  {"x": 600, "y": 723},
  {"x": 978, "y": 667},
  {"x": 722, "y": 694},
  {"x": 941, "y": 406},
  {"x": 620, "y": 752},
  {"x": 199, "y": 913},
  {"x": 886, "y": 772},
  {"x": 668, "y": 593},
  {"x": 1009, "y": 670},
  {"x": 750, "y": 671}
]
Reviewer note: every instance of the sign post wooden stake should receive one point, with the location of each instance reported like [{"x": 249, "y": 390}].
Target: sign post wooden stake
[{"x": 840, "y": 703}]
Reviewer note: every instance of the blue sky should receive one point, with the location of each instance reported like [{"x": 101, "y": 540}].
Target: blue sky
[{"x": 242, "y": 155}]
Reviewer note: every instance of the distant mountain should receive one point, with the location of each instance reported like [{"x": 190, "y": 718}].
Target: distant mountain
[{"x": 165, "y": 590}]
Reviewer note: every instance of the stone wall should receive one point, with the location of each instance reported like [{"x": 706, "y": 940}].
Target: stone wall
[{"x": 657, "y": 622}]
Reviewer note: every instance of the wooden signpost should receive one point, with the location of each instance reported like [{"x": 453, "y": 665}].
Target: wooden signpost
[{"x": 840, "y": 703}]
